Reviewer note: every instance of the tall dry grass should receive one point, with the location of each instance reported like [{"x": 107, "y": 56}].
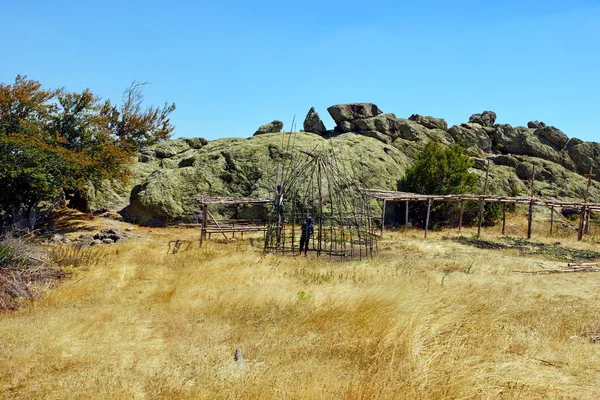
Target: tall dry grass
[{"x": 423, "y": 320}]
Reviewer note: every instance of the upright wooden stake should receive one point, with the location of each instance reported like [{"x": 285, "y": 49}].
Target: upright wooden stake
[
  {"x": 587, "y": 222},
  {"x": 581, "y": 220},
  {"x": 530, "y": 216},
  {"x": 460, "y": 218},
  {"x": 383, "y": 217},
  {"x": 503, "y": 218},
  {"x": 530, "y": 220},
  {"x": 406, "y": 215},
  {"x": 482, "y": 201},
  {"x": 551, "y": 220},
  {"x": 427, "y": 218},
  {"x": 204, "y": 221}
]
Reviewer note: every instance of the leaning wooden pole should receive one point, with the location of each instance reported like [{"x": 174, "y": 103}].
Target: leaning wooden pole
[
  {"x": 427, "y": 218},
  {"x": 460, "y": 218},
  {"x": 406, "y": 215}
]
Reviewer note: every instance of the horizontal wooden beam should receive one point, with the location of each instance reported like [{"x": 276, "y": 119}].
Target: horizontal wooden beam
[{"x": 404, "y": 196}]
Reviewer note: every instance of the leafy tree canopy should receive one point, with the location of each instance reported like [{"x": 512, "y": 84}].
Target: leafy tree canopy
[
  {"x": 52, "y": 140},
  {"x": 445, "y": 170},
  {"x": 440, "y": 170}
]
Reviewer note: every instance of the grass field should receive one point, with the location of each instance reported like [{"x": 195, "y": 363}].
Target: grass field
[{"x": 433, "y": 319}]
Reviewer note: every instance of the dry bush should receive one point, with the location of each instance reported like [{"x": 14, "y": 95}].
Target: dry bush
[{"x": 25, "y": 272}]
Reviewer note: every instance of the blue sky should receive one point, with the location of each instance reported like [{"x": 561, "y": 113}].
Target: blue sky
[{"x": 231, "y": 66}]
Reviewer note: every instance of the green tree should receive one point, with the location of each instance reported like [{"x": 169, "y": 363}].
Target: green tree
[
  {"x": 444, "y": 170},
  {"x": 52, "y": 141},
  {"x": 440, "y": 170}
]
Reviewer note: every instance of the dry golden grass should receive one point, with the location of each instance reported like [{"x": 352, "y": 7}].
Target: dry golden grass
[{"x": 423, "y": 320}]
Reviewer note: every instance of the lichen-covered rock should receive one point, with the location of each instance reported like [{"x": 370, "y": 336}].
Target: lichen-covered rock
[
  {"x": 346, "y": 126},
  {"x": 552, "y": 136},
  {"x": 171, "y": 148},
  {"x": 248, "y": 168},
  {"x": 272, "y": 127},
  {"x": 486, "y": 118},
  {"x": 196, "y": 143},
  {"x": 379, "y": 123},
  {"x": 524, "y": 141},
  {"x": 313, "y": 123},
  {"x": 350, "y": 112},
  {"x": 586, "y": 155},
  {"x": 535, "y": 125},
  {"x": 472, "y": 134},
  {"x": 430, "y": 122}
]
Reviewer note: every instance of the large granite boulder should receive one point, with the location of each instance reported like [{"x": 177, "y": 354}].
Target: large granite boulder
[
  {"x": 196, "y": 143},
  {"x": 346, "y": 127},
  {"x": 586, "y": 155},
  {"x": 350, "y": 112},
  {"x": 552, "y": 136},
  {"x": 535, "y": 124},
  {"x": 429, "y": 122},
  {"x": 524, "y": 141},
  {"x": 486, "y": 118},
  {"x": 473, "y": 135},
  {"x": 313, "y": 122},
  {"x": 272, "y": 127},
  {"x": 170, "y": 148}
]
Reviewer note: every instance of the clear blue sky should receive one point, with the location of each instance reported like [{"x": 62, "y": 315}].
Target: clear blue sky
[{"x": 231, "y": 66}]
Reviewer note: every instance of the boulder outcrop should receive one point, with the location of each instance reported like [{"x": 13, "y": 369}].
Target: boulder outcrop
[
  {"x": 170, "y": 175},
  {"x": 313, "y": 122},
  {"x": 272, "y": 127},
  {"x": 430, "y": 122},
  {"x": 486, "y": 118},
  {"x": 353, "y": 111}
]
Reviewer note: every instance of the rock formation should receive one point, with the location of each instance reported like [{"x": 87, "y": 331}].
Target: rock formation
[
  {"x": 272, "y": 127},
  {"x": 313, "y": 122},
  {"x": 168, "y": 176}
]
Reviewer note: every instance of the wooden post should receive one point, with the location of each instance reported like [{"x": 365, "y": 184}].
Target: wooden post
[
  {"x": 587, "y": 222},
  {"x": 551, "y": 220},
  {"x": 530, "y": 220},
  {"x": 204, "y": 221},
  {"x": 383, "y": 217},
  {"x": 460, "y": 218},
  {"x": 589, "y": 175},
  {"x": 427, "y": 218},
  {"x": 406, "y": 215},
  {"x": 503, "y": 218},
  {"x": 530, "y": 216},
  {"x": 482, "y": 201},
  {"x": 581, "y": 220}
]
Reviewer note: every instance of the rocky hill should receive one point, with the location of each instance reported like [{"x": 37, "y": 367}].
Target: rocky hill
[{"x": 168, "y": 176}]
